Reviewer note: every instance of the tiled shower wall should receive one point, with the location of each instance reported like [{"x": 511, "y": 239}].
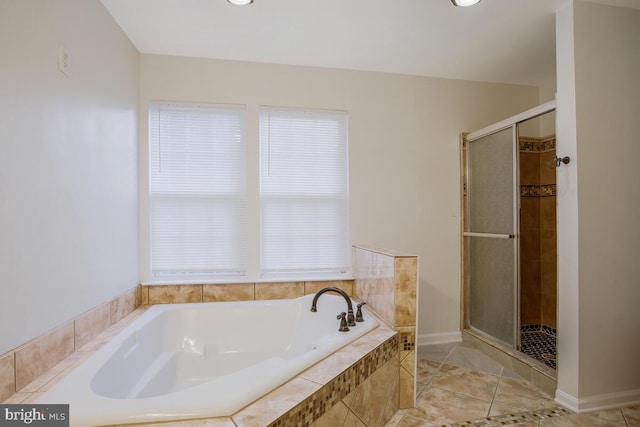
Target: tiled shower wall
[
  {"x": 538, "y": 258},
  {"x": 387, "y": 281}
]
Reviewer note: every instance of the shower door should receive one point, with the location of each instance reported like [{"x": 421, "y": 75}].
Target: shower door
[{"x": 490, "y": 234}]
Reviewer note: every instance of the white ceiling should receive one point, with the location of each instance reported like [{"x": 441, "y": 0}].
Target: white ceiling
[{"x": 507, "y": 41}]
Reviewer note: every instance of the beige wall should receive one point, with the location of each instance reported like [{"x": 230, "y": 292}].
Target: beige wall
[
  {"x": 547, "y": 92},
  {"x": 68, "y": 220},
  {"x": 598, "y": 201},
  {"x": 403, "y": 140}
]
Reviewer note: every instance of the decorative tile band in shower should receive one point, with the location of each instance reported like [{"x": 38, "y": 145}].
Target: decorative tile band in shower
[
  {"x": 537, "y": 145},
  {"x": 546, "y": 190}
]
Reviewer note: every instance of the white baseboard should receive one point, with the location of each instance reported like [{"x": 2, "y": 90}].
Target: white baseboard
[
  {"x": 439, "y": 338},
  {"x": 599, "y": 402}
]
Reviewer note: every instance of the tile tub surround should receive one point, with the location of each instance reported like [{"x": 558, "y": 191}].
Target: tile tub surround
[
  {"x": 371, "y": 398},
  {"x": 388, "y": 281},
  {"x": 7, "y": 375},
  {"x": 23, "y": 368},
  {"x": 22, "y": 365},
  {"x": 175, "y": 293},
  {"x": 360, "y": 382}
]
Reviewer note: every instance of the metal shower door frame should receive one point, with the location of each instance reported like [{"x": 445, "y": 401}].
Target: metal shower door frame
[
  {"x": 512, "y": 123},
  {"x": 514, "y": 233}
]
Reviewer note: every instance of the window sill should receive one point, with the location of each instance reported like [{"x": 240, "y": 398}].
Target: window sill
[{"x": 168, "y": 282}]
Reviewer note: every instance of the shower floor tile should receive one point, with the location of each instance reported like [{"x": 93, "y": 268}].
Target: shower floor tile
[{"x": 539, "y": 345}]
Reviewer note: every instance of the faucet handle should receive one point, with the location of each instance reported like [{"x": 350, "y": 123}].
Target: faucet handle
[
  {"x": 343, "y": 322},
  {"x": 359, "y": 317}
]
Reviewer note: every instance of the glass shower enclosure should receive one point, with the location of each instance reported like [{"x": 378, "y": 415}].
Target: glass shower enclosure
[
  {"x": 491, "y": 234},
  {"x": 491, "y": 228}
]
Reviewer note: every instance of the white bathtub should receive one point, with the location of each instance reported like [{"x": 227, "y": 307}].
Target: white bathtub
[{"x": 202, "y": 360}]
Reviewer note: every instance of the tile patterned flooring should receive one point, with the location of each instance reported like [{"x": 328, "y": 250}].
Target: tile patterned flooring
[{"x": 457, "y": 385}]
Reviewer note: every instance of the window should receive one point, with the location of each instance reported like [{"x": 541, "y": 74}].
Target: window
[
  {"x": 203, "y": 225},
  {"x": 304, "y": 206},
  {"x": 197, "y": 191}
]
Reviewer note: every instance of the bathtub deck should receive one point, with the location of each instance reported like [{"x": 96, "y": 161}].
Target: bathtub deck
[{"x": 288, "y": 404}]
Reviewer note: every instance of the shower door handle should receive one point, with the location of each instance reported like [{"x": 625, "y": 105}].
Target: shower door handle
[{"x": 490, "y": 235}]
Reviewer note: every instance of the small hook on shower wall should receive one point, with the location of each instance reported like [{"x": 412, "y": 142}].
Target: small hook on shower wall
[{"x": 558, "y": 161}]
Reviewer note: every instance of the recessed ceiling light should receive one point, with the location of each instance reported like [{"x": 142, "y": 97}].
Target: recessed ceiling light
[
  {"x": 464, "y": 3},
  {"x": 240, "y": 2}
]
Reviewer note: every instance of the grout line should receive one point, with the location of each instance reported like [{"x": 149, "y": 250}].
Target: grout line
[
  {"x": 495, "y": 391},
  {"x": 447, "y": 356},
  {"x": 15, "y": 372},
  {"x": 625, "y": 418}
]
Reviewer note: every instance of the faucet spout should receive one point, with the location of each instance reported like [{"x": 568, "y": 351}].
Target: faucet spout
[{"x": 350, "y": 316}]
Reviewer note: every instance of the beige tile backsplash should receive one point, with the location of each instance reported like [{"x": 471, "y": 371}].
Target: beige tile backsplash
[
  {"x": 28, "y": 366},
  {"x": 406, "y": 277},
  {"x": 313, "y": 287},
  {"x": 228, "y": 292},
  {"x": 123, "y": 305},
  {"x": 173, "y": 294},
  {"x": 279, "y": 290},
  {"x": 170, "y": 294},
  {"x": 38, "y": 356},
  {"x": 91, "y": 324},
  {"x": 387, "y": 282},
  {"x": 7, "y": 375}
]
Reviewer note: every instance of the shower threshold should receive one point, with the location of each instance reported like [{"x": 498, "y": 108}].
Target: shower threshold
[{"x": 538, "y": 373}]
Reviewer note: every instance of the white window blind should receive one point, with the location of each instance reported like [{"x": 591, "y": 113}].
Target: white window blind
[
  {"x": 197, "y": 186},
  {"x": 304, "y": 185}
]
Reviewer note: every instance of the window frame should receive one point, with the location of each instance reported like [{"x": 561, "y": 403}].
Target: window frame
[
  {"x": 340, "y": 200},
  {"x": 253, "y": 270},
  {"x": 198, "y": 195}
]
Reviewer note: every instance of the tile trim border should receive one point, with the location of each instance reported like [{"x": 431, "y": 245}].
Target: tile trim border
[
  {"x": 537, "y": 145},
  {"x": 316, "y": 405},
  {"x": 518, "y": 418},
  {"x": 545, "y": 190}
]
